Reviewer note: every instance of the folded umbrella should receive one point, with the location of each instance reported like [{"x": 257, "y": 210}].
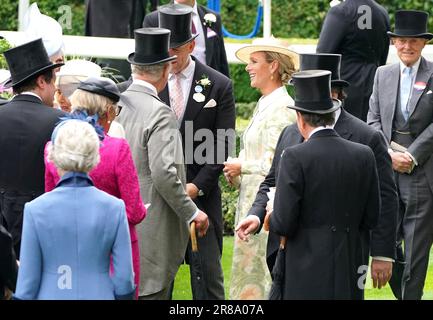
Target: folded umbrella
[
  {"x": 198, "y": 284},
  {"x": 277, "y": 288}
]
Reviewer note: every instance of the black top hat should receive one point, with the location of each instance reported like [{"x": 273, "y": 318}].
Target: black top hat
[
  {"x": 177, "y": 18},
  {"x": 151, "y": 47},
  {"x": 27, "y": 61},
  {"x": 102, "y": 86},
  {"x": 411, "y": 24},
  {"x": 324, "y": 61},
  {"x": 313, "y": 92}
]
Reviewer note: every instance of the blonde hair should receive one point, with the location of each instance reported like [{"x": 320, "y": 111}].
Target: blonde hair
[
  {"x": 286, "y": 65},
  {"x": 75, "y": 146},
  {"x": 93, "y": 103}
]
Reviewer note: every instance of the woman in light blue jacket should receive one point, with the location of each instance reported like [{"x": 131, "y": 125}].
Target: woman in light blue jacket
[{"x": 70, "y": 233}]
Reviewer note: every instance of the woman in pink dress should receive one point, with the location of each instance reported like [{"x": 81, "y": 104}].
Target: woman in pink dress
[{"x": 96, "y": 99}]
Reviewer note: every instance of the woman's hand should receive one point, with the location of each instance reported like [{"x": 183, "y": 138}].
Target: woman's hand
[{"x": 232, "y": 169}]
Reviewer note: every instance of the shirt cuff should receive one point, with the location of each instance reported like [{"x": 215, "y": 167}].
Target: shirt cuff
[
  {"x": 386, "y": 259},
  {"x": 390, "y": 150},
  {"x": 193, "y": 216},
  {"x": 256, "y": 217}
]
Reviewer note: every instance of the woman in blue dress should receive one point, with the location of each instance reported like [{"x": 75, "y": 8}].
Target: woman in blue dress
[{"x": 70, "y": 233}]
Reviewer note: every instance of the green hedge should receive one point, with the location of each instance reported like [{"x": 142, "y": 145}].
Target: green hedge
[{"x": 290, "y": 18}]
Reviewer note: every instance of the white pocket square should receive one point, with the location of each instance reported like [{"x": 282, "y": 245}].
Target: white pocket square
[
  {"x": 429, "y": 92},
  {"x": 211, "y": 33},
  {"x": 210, "y": 104}
]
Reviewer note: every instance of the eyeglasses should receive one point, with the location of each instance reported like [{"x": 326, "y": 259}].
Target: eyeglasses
[{"x": 119, "y": 108}]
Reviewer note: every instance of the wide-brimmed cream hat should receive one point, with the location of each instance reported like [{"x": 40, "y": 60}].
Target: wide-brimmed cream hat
[{"x": 271, "y": 44}]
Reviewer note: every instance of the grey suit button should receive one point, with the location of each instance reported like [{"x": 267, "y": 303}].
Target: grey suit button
[
  {"x": 347, "y": 230},
  {"x": 333, "y": 228}
]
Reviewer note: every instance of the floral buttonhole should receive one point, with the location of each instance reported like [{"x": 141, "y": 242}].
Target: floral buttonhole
[
  {"x": 209, "y": 19},
  {"x": 201, "y": 85}
]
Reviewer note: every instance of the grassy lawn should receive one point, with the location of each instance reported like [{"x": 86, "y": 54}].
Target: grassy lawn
[{"x": 182, "y": 290}]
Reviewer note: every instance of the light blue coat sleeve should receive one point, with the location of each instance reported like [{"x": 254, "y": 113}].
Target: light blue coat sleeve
[{"x": 30, "y": 268}]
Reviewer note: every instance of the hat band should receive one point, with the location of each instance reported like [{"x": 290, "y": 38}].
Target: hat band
[
  {"x": 324, "y": 104},
  {"x": 149, "y": 58},
  {"x": 17, "y": 76},
  {"x": 409, "y": 32}
]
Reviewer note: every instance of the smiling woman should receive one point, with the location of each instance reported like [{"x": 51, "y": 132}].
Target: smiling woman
[{"x": 270, "y": 66}]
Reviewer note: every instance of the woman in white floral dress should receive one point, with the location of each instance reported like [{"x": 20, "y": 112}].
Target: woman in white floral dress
[{"x": 270, "y": 65}]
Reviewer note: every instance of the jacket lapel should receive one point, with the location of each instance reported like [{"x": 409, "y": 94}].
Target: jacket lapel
[
  {"x": 391, "y": 84},
  {"x": 423, "y": 75},
  {"x": 164, "y": 95},
  {"x": 193, "y": 107}
]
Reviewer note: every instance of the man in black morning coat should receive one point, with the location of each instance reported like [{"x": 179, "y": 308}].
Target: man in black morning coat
[
  {"x": 380, "y": 243},
  {"x": 26, "y": 124},
  {"x": 327, "y": 195},
  {"x": 212, "y": 36},
  {"x": 357, "y": 30}
]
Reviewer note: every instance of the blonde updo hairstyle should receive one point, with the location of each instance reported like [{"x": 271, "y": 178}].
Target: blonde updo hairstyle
[
  {"x": 74, "y": 146},
  {"x": 286, "y": 65},
  {"x": 92, "y": 103}
]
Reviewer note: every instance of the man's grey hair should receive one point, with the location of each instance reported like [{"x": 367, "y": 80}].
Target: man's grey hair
[
  {"x": 154, "y": 71},
  {"x": 75, "y": 147}
]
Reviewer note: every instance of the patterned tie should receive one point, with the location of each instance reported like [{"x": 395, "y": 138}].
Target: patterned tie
[
  {"x": 405, "y": 88},
  {"x": 176, "y": 96}
]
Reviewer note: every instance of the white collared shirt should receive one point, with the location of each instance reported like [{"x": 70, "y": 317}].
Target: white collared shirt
[
  {"x": 145, "y": 84},
  {"x": 200, "y": 44},
  {"x": 187, "y": 78}
]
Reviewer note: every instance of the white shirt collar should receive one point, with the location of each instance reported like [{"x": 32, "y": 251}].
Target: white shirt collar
[
  {"x": 317, "y": 130},
  {"x": 30, "y": 93},
  {"x": 415, "y": 67},
  {"x": 145, "y": 84},
  {"x": 188, "y": 71}
]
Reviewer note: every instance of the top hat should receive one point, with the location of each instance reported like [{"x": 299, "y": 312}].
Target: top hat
[
  {"x": 151, "y": 47},
  {"x": 267, "y": 44},
  {"x": 324, "y": 61},
  {"x": 177, "y": 18},
  {"x": 313, "y": 92},
  {"x": 102, "y": 86},
  {"x": 411, "y": 24},
  {"x": 27, "y": 61}
]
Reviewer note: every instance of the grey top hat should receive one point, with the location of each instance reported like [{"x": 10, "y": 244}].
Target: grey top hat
[
  {"x": 313, "y": 92},
  {"x": 151, "y": 47},
  {"x": 411, "y": 24}
]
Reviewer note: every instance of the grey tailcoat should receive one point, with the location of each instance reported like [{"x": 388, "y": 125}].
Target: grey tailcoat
[{"x": 151, "y": 130}]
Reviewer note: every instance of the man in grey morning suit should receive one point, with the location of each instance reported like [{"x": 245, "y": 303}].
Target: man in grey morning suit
[
  {"x": 151, "y": 130},
  {"x": 400, "y": 106}
]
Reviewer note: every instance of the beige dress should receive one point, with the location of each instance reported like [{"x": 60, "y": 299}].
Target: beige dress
[{"x": 250, "y": 278}]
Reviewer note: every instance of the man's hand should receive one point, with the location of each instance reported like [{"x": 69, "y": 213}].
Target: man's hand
[
  {"x": 248, "y": 225},
  {"x": 381, "y": 272},
  {"x": 192, "y": 190},
  {"x": 201, "y": 223},
  {"x": 401, "y": 162}
]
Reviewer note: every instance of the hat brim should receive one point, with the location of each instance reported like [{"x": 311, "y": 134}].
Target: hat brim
[
  {"x": 336, "y": 105},
  {"x": 427, "y": 35},
  {"x": 339, "y": 83},
  {"x": 131, "y": 60},
  {"x": 178, "y": 44},
  {"x": 244, "y": 53},
  {"x": 10, "y": 83}
]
